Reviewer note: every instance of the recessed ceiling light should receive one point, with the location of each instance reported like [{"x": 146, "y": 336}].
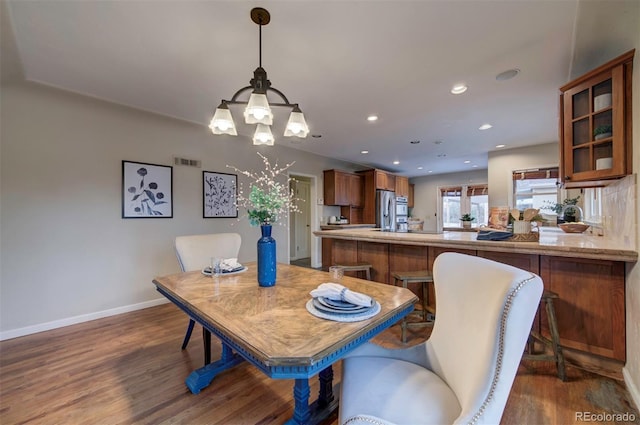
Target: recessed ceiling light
[
  {"x": 485, "y": 126},
  {"x": 437, "y": 142},
  {"x": 467, "y": 162},
  {"x": 431, "y": 171},
  {"x": 474, "y": 166},
  {"x": 372, "y": 118},
  {"x": 364, "y": 152},
  {"x": 459, "y": 89},
  {"x": 508, "y": 74},
  {"x": 420, "y": 168},
  {"x": 500, "y": 146},
  {"x": 396, "y": 162},
  {"x": 414, "y": 142}
]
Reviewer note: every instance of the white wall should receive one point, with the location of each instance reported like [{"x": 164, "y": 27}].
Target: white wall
[
  {"x": 425, "y": 203},
  {"x": 631, "y": 370},
  {"x": 498, "y": 176},
  {"x": 502, "y": 163},
  {"x": 623, "y": 34},
  {"x": 66, "y": 253}
]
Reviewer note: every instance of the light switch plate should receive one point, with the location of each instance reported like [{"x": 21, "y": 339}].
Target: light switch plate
[{"x": 320, "y": 201}]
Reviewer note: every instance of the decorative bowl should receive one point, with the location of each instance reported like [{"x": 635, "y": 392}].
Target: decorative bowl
[{"x": 573, "y": 227}]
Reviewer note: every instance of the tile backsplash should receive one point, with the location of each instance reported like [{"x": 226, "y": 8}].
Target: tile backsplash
[{"x": 619, "y": 217}]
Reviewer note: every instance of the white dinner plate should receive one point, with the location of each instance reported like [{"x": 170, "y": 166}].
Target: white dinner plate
[
  {"x": 340, "y": 305},
  {"x": 207, "y": 271},
  {"x": 328, "y": 309}
]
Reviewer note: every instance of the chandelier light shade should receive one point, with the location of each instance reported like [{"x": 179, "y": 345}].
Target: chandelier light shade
[
  {"x": 263, "y": 135},
  {"x": 222, "y": 121},
  {"x": 258, "y": 109},
  {"x": 296, "y": 126}
]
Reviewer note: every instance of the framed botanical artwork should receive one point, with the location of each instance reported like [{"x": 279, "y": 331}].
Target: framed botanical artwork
[
  {"x": 219, "y": 195},
  {"x": 147, "y": 190}
]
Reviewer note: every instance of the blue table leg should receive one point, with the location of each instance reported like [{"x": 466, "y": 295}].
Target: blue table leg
[
  {"x": 326, "y": 387},
  {"x": 314, "y": 413},
  {"x": 301, "y": 411},
  {"x": 200, "y": 378}
]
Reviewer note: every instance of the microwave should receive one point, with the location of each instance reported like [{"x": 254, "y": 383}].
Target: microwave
[{"x": 402, "y": 207}]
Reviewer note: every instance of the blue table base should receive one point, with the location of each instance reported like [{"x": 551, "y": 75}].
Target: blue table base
[
  {"x": 200, "y": 378},
  {"x": 303, "y": 413}
]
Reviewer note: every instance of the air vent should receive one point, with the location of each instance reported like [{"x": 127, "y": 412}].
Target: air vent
[{"x": 187, "y": 162}]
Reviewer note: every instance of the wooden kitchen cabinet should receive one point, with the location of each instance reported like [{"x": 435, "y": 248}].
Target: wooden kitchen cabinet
[
  {"x": 385, "y": 181},
  {"x": 590, "y": 309},
  {"x": 336, "y": 187},
  {"x": 528, "y": 262},
  {"x": 341, "y": 251},
  {"x": 355, "y": 190},
  {"x": 342, "y": 188},
  {"x": 402, "y": 186},
  {"x": 434, "y": 251},
  {"x": 407, "y": 258},
  {"x": 410, "y": 200},
  {"x": 595, "y": 123},
  {"x": 376, "y": 254},
  {"x": 373, "y": 180}
]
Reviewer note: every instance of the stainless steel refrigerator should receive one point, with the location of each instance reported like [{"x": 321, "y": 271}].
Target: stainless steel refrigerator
[{"x": 386, "y": 210}]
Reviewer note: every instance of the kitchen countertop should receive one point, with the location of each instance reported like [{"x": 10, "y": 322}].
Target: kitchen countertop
[
  {"x": 345, "y": 226},
  {"x": 552, "y": 242}
]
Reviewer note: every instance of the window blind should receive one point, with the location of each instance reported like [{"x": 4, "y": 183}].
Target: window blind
[
  {"x": 478, "y": 189},
  {"x": 451, "y": 191},
  {"x": 537, "y": 173}
]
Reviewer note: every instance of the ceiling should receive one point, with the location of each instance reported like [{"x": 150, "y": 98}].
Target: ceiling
[{"x": 339, "y": 60}]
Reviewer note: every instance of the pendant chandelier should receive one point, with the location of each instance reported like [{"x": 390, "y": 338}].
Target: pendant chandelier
[{"x": 258, "y": 109}]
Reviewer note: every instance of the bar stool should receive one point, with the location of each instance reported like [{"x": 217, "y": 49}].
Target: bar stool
[
  {"x": 357, "y": 267},
  {"x": 421, "y": 276},
  {"x": 554, "y": 342}
]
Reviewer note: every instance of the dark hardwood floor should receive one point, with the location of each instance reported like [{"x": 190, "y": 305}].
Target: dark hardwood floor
[{"x": 130, "y": 369}]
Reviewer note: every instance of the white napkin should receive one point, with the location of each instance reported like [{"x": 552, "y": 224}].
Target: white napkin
[
  {"x": 335, "y": 291},
  {"x": 227, "y": 264}
]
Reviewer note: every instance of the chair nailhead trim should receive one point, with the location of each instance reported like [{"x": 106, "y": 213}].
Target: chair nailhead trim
[
  {"x": 503, "y": 325},
  {"x": 364, "y": 419}
]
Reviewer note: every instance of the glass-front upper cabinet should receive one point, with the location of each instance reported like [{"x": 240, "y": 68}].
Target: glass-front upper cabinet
[{"x": 595, "y": 123}]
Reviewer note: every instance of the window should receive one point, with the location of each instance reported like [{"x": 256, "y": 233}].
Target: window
[
  {"x": 451, "y": 209},
  {"x": 592, "y": 205},
  {"x": 535, "y": 188},
  {"x": 459, "y": 200}
]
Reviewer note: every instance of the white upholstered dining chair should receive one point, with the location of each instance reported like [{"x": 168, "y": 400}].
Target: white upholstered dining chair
[
  {"x": 464, "y": 372},
  {"x": 194, "y": 252}
]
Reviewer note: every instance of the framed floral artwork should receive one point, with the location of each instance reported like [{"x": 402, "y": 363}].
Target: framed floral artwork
[
  {"x": 219, "y": 191},
  {"x": 147, "y": 190}
]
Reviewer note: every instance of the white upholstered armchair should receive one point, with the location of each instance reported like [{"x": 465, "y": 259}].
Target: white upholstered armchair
[
  {"x": 463, "y": 373},
  {"x": 194, "y": 252}
]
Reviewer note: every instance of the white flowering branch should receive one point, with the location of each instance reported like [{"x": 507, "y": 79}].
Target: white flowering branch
[{"x": 268, "y": 199}]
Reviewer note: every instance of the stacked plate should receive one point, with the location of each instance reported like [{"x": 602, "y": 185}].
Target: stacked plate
[
  {"x": 207, "y": 270},
  {"x": 341, "y": 311}
]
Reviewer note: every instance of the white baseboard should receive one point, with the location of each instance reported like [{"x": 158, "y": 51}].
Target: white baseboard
[
  {"x": 631, "y": 387},
  {"x": 28, "y": 330}
]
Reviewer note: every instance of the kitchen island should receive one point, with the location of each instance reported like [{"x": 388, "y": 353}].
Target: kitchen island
[
  {"x": 552, "y": 242},
  {"x": 587, "y": 272}
]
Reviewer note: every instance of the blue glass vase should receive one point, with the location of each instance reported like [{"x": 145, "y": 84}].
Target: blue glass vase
[{"x": 266, "y": 257}]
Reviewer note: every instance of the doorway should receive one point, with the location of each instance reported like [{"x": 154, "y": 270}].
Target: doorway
[{"x": 301, "y": 248}]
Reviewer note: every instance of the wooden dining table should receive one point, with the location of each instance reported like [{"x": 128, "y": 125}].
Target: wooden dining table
[{"x": 271, "y": 328}]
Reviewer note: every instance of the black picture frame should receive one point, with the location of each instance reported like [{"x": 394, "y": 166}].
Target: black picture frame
[
  {"x": 219, "y": 193},
  {"x": 147, "y": 190}
]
